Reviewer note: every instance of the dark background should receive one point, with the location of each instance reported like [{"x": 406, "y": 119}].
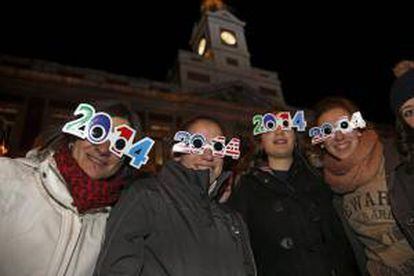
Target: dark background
[{"x": 337, "y": 49}]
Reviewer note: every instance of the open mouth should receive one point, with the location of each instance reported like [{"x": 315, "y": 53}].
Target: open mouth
[{"x": 96, "y": 160}]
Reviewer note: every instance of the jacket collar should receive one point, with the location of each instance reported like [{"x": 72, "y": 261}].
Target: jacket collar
[
  {"x": 50, "y": 178},
  {"x": 299, "y": 163},
  {"x": 195, "y": 181}
]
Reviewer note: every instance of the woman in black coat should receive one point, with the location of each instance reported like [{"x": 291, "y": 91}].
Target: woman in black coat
[{"x": 294, "y": 229}]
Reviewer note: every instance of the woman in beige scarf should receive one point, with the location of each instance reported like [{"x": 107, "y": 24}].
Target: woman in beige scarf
[{"x": 354, "y": 167}]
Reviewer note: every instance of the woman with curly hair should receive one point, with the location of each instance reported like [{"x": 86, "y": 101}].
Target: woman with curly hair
[{"x": 359, "y": 165}]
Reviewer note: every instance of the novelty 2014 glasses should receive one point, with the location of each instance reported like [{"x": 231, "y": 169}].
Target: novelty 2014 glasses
[
  {"x": 283, "y": 121},
  {"x": 97, "y": 128}
]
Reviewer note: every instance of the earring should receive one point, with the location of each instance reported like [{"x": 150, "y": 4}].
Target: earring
[
  {"x": 70, "y": 145},
  {"x": 322, "y": 146}
]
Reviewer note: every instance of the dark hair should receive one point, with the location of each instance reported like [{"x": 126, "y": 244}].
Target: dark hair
[
  {"x": 405, "y": 142},
  {"x": 258, "y": 156}
]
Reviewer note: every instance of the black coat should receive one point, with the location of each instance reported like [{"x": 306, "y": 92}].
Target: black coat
[
  {"x": 167, "y": 225},
  {"x": 402, "y": 201},
  {"x": 293, "y": 226}
]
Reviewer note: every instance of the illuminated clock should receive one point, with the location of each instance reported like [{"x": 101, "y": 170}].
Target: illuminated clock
[
  {"x": 228, "y": 38},
  {"x": 202, "y": 45}
]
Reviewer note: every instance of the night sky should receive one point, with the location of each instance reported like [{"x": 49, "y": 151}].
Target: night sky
[{"x": 338, "y": 49}]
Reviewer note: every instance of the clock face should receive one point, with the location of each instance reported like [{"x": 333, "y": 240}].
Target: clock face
[
  {"x": 228, "y": 38},
  {"x": 202, "y": 46}
]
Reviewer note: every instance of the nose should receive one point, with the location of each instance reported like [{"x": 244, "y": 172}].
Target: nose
[
  {"x": 208, "y": 155},
  {"x": 103, "y": 148},
  {"x": 339, "y": 135},
  {"x": 279, "y": 132}
]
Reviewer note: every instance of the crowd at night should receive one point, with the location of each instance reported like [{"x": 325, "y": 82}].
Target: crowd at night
[{"x": 216, "y": 137}]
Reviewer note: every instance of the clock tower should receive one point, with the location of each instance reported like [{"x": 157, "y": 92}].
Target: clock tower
[
  {"x": 219, "y": 36},
  {"x": 219, "y": 61}
]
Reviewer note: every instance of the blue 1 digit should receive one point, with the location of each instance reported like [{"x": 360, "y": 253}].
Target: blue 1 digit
[{"x": 139, "y": 152}]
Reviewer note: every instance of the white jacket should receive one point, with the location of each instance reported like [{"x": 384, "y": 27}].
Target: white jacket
[{"x": 41, "y": 233}]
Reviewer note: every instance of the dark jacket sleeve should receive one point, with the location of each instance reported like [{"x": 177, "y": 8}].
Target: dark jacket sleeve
[
  {"x": 128, "y": 224},
  {"x": 239, "y": 197}
]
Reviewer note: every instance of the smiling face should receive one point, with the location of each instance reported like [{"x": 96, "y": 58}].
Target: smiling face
[
  {"x": 341, "y": 145},
  {"x": 96, "y": 160},
  {"x": 205, "y": 161},
  {"x": 278, "y": 144},
  {"x": 407, "y": 112}
]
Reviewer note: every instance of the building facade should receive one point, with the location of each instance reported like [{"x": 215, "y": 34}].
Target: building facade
[{"x": 215, "y": 79}]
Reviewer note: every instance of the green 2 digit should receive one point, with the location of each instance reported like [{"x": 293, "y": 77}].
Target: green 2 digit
[
  {"x": 74, "y": 127},
  {"x": 258, "y": 124}
]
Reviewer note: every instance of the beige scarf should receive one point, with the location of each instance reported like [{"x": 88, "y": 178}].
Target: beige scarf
[{"x": 348, "y": 174}]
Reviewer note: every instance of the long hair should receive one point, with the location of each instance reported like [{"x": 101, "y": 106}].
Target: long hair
[{"x": 405, "y": 143}]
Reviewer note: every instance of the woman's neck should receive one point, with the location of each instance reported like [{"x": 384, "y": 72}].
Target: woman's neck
[{"x": 280, "y": 164}]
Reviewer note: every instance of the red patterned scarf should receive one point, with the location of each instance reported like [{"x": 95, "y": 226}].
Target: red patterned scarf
[
  {"x": 87, "y": 194},
  {"x": 348, "y": 174}
]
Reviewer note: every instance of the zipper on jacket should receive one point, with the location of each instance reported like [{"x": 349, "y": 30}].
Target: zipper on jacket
[{"x": 75, "y": 244}]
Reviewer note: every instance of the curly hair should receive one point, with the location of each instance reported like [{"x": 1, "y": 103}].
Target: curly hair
[{"x": 405, "y": 143}]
